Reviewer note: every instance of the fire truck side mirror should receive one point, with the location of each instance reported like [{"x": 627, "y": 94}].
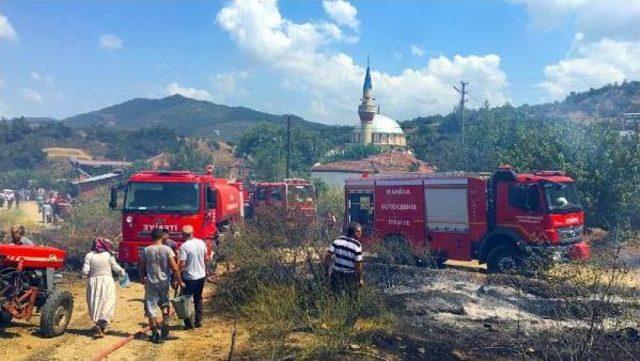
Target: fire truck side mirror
[
  {"x": 113, "y": 202},
  {"x": 212, "y": 198}
]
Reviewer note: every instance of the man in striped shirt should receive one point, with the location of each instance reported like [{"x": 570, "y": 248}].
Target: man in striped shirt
[{"x": 346, "y": 268}]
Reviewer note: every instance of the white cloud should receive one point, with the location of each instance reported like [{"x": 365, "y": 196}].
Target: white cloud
[
  {"x": 199, "y": 94},
  {"x": 417, "y": 51},
  {"x": 333, "y": 81},
  {"x": 398, "y": 55},
  {"x": 6, "y": 30},
  {"x": 31, "y": 95},
  {"x": 342, "y": 12},
  {"x": 596, "y": 19},
  {"x": 110, "y": 42},
  {"x": 593, "y": 65},
  {"x": 45, "y": 79},
  {"x": 228, "y": 85}
]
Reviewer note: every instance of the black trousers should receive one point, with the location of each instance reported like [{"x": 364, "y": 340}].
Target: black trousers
[
  {"x": 344, "y": 284},
  {"x": 195, "y": 287}
]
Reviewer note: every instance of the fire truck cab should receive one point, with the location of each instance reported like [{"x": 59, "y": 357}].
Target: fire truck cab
[
  {"x": 502, "y": 219},
  {"x": 171, "y": 200}
]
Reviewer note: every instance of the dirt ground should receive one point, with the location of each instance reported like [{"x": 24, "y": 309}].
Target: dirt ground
[{"x": 21, "y": 341}]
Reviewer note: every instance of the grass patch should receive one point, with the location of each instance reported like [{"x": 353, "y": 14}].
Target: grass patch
[{"x": 279, "y": 290}]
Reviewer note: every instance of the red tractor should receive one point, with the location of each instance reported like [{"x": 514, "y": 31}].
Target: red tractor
[{"x": 28, "y": 281}]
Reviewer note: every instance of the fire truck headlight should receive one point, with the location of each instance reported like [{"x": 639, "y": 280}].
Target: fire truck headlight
[{"x": 129, "y": 219}]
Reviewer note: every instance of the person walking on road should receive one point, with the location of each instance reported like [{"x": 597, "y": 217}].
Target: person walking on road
[
  {"x": 40, "y": 202},
  {"x": 99, "y": 266},
  {"x": 47, "y": 213},
  {"x": 193, "y": 257},
  {"x": 156, "y": 266},
  {"x": 18, "y": 238},
  {"x": 344, "y": 260}
]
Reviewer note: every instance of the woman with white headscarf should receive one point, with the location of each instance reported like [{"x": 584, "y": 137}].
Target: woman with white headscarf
[{"x": 99, "y": 266}]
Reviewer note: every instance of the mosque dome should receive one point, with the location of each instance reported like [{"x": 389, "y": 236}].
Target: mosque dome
[{"x": 384, "y": 124}]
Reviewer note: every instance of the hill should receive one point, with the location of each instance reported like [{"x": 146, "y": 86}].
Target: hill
[
  {"x": 606, "y": 102},
  {"x": 186, "y": 116}
]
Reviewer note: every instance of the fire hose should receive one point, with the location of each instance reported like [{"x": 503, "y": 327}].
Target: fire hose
[{"x": 107, "y": 351}]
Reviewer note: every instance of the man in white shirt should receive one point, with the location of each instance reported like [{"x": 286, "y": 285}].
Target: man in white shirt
[{"x": 193, "y": 257}]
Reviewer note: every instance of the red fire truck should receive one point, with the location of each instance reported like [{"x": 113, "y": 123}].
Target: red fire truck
[
  {"x": 501, "y": 219},
  {"x": 170, "y": 200},
  {"x": 292, "y": 194}
]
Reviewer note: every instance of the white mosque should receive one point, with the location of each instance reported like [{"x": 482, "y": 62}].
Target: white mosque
[{"x": 375, "y": 128}]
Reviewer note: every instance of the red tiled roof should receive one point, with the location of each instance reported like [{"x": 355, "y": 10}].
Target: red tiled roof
[{"x": 389, "y": 162}]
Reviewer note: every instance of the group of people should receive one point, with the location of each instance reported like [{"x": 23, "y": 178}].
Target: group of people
[
  {"x": 51, "y": 206},
  {"x": 10, "y": 199},
  {"x": 161, "y": 269}
]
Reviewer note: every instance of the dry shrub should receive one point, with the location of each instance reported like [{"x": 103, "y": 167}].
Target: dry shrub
[
  {"x": 87, "y": 219},
  {"x": 279, "y": 288},
  {"x": 596, "y": 308},
  {"x": 589, "y": 310}
]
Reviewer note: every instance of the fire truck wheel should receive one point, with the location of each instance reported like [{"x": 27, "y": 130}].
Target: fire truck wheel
[
  {"x": 504, "y": 259},
  {"x": 56, "y": 313}
]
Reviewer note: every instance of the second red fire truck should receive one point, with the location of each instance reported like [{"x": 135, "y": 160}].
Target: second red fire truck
[
  {"x": 502, "y": 219},
  {"x": 293, "y": 194}
]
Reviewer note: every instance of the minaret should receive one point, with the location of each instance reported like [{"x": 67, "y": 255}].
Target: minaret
[{"x": 367, "y": 109}]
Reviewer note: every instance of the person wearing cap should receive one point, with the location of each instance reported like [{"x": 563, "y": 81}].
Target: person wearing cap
[
  {"x": 18, "y": 238},
  {"x": 193, "y": 256}
]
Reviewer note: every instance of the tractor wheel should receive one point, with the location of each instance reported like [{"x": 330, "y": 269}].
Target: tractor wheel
[
  {"x": 56, "y": 314},
  {"x": 5, "y": 319},
  {"x": 504, "y": 259}
]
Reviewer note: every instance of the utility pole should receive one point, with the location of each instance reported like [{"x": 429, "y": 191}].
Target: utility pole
[
  {"x": 463, "y": 98},
  {"x": 288, "y": 144}
]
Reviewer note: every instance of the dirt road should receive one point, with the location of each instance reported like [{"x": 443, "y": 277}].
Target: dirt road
[
  {"x": 20, "y": 341},
  {"x": 26, "y": 215}
]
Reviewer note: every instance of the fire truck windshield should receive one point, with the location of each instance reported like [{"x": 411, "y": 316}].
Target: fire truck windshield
[
  {"x": 300, "y": 194},
  {"x": 562, "y": 197},
  {"x": 162, "y": 197}
]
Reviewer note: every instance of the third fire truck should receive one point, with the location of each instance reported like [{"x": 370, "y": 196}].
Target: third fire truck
[{"x": 502, "y": 220}]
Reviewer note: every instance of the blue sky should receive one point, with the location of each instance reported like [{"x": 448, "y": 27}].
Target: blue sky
[{"x": 60, "y": 58}]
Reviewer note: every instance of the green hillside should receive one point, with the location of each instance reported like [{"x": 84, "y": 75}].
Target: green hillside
[
  {"x": 186, "y": 116},
  {"x": 606, "y": 102}
]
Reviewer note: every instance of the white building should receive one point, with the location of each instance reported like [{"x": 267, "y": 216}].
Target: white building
[{"x": 375, "y": 128}]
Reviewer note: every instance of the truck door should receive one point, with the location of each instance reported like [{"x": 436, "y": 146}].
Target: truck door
[
  {"x": 360, "y": 209},
  {"x": 519, "y": 207}
]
